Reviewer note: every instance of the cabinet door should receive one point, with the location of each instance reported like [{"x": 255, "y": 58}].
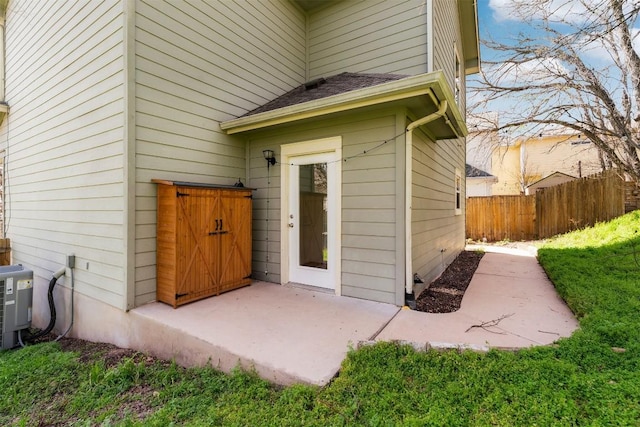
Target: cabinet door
[
  {"x": 235, "y": 239},
  {"x": 197, "y": 226}
]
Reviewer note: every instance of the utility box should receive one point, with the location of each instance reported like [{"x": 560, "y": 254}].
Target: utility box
[{"x": 16, "y": 300}]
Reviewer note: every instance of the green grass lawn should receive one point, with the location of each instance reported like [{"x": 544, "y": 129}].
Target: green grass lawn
[{"x": 592, "y": 378}]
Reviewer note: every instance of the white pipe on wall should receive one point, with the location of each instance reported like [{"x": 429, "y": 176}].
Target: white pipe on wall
[{"x": 442, "y": 109}]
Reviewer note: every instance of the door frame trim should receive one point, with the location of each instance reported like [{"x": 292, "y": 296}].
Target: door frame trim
[{"x": 316, "y": 146}]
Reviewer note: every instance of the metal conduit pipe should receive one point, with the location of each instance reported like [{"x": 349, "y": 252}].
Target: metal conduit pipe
[{"x": 52, "y": 310}]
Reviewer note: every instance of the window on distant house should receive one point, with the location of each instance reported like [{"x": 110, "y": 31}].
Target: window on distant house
[{"x": 458, "y": 192}]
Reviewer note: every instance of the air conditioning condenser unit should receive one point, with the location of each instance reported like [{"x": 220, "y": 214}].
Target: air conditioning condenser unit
[{"x": 16, "y": 299}]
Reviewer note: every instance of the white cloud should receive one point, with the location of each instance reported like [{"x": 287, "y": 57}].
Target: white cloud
[{"x": 502, "y": 9}]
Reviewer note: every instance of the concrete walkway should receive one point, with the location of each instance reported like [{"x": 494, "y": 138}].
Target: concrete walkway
[
  {"x": 290, "y": 334},
  {"x": 510, "y": 303}
]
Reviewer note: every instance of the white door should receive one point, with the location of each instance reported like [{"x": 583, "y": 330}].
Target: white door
[{"x": 313, "y": 219}]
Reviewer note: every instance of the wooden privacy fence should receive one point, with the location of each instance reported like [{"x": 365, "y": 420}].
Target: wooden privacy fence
[
  {"x": 501, "y": 218},
  {"x": 5, "y": 252},
  {"x": 579, "y": 203},
  {"x": 553, "y": 210}
]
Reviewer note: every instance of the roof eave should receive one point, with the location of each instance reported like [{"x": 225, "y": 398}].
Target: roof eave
[
  {"x": 423, "y": 85},
  {"x": 468, "y": 11}
]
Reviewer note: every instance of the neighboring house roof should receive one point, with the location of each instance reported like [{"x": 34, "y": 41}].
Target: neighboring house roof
[
  {"x": 322, "y": 88},
  {"x": 551, "y": 176},
  {"x": 473, "y": 172},
  {"x": 423, "y": 94}
]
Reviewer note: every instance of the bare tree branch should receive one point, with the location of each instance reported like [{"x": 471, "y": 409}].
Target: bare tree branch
[
  {"x": 490, "y": 324},
  {"x": 581, "y": 72}
]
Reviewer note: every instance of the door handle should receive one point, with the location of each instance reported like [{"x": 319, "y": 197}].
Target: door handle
[
  {"x": 217, "y": 225},
  {"x": 290, "y": 225}
]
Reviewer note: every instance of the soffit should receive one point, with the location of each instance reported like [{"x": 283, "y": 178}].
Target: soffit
[
  {"x": 308, "y": 5},
  {"x": 468, "y": 11}
]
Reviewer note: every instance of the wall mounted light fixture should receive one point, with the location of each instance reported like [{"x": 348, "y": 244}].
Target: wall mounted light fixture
[{"x": 269, "y": 156}]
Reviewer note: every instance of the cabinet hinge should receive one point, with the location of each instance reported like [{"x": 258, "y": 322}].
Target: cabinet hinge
[
  {"x": 250, "y": 196},
  {"x": 179, "y": 194},
  {"x": 181, "y": 295},
  {"x": 247, "y": 277}
]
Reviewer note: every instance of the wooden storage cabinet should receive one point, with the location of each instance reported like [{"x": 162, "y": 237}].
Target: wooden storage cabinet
[{"x": 203, "y": 240}]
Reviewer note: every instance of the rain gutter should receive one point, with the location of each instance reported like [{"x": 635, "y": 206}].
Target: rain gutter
[{"x": 409, "y": 87}]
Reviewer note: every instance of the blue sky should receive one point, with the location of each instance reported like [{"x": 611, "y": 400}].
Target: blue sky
[
  {"x": 488, "y": 23},
  {"x": 497, "y": 21}
]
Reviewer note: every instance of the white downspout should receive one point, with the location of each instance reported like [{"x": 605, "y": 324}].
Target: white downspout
[{"x": 442, "y": 109}]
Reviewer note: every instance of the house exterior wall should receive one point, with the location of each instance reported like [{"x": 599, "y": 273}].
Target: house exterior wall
[
  {"x": 369, "y": 203},
  {"x": 570, "y": 155},
  {"x": 532, "y": 159},
  {"x": 197, "y": 65},
  {"x": 373, "y": 36},
  {"x": 64, "y": 159},
  {"x": 438, "y": 233},
  {"x": 106, "y": 96},
  {"x": 505, "y": 165},
  {"x": 446, "y": 44},
  {"x": 479, "y": 186}
]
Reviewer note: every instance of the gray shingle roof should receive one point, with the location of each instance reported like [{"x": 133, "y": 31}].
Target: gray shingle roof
[
  {"x": 322, "y": 88},
  {"x": 473, "y": 172}
]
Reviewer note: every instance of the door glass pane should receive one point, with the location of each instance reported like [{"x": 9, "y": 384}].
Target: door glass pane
[{"x": 313, "y": 215}]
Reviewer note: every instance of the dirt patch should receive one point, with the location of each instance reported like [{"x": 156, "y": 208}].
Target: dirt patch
[
  {"x": 91, "y": 352},
  {"x": 444, "y": 295}
]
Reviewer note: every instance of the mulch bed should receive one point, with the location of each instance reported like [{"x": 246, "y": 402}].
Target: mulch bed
[{"x": 444, "y": 295}]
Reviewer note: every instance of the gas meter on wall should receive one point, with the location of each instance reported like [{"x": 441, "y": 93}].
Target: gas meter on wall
[{"x": 16, "y": 298}]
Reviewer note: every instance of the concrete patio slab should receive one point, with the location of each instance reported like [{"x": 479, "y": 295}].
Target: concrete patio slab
[
  {"x": 286, "y": 334},
  {"x": 291, "y": 335},
  {"x": 510, "y": 303}
]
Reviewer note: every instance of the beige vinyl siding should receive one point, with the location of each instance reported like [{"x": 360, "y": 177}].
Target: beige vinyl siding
[
  {"x": 373, "y": 36},
  {"x": 63, "y": 139},
  {"x": 438, "y": 233},
  {"x": 368, "y": 201},
  {"x": 197, "y": 64},
  {"x": 434, "y": 225},
  {"x": 446, "y": 34}
]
